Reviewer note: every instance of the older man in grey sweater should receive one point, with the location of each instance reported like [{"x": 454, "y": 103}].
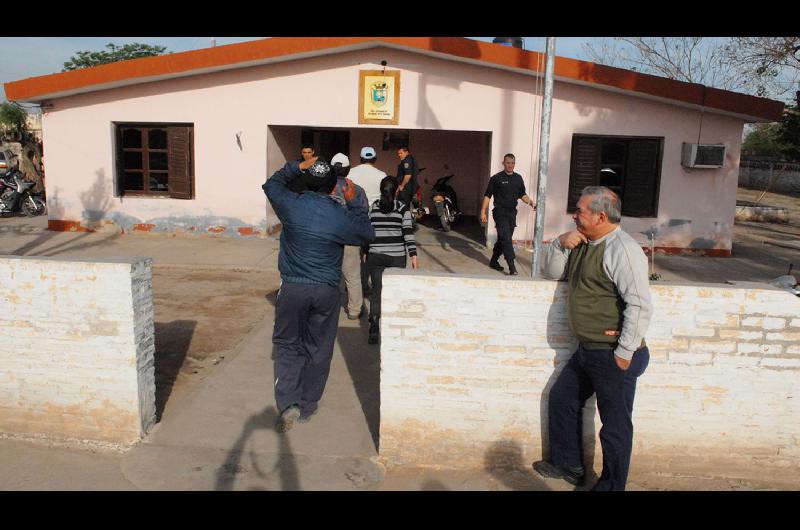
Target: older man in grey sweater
[{"x": 609, "y": 310}]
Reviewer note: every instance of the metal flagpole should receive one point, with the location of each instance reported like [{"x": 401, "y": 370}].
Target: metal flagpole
[{"x": 544, "y": 139}]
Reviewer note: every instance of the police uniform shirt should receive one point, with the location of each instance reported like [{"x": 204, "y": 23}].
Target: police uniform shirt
[
  {"x": 408, "y": 166},
  {"x": 506, "y": 189}
]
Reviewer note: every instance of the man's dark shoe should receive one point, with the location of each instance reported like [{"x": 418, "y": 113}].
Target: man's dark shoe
[
  {"x": 374, "y": 331},
  {"x": 548, "y": 470},
  {"x": 305, "y": 418},
  {"x": 287, "y": 418},
  {"x": 496, "y": 266},
  {"x": 512, "y": 270}
]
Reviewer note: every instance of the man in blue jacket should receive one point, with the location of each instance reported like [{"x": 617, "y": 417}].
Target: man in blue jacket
[{"x": 316, "y": 226}]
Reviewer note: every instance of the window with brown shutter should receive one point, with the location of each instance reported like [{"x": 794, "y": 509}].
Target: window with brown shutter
[
  {"x": 155, "y": 159},
  {"x": 630, "y": 166}
]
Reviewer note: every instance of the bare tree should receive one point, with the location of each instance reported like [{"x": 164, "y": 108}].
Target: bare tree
[
  {"x": 770, "y": 64},
  {"x": 692, "y": 59}
]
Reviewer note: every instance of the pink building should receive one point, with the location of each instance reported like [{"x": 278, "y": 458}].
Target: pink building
[{"x": 183, "y": 142}]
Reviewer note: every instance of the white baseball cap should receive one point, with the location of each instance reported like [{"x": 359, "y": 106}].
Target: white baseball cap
[
  {"x": 340, "y": 158},
  {"x": 367, "y": 153}
]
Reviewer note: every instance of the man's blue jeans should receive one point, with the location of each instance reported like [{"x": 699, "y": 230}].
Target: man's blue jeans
[{"x": 595, "y": 372}]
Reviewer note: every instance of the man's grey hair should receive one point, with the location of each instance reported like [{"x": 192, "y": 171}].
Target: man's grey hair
[{"x": 604, "y": 200}]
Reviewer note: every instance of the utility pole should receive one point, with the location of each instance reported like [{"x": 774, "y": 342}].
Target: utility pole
[{"x": 544, "y": 135}]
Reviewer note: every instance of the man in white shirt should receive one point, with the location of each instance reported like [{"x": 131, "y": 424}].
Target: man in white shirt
[
  {"x": 369, "y": 178},
  {"x": 367, "y": 175}
]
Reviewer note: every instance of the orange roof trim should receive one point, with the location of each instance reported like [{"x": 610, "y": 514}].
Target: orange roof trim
[{"x": 264, "y": 50}]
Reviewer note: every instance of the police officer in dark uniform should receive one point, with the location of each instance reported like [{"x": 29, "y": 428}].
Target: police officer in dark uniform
[
  {"x": 407, "y": 172},
  {"x": 507, "y": 187}
]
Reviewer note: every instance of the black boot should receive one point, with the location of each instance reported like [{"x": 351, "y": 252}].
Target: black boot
[
  {"x": 494, "y": 264},
  {"x": 512, "y": 270},
  {"x": 374, "y": 330}
]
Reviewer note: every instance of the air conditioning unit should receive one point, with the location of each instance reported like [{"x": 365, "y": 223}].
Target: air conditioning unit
[{"x": 703, "y": 156}]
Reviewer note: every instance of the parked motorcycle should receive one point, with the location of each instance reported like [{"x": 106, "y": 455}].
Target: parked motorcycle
[
  {"x": 418, "y": 211},
  {"x": 446, "y": 201},
  {"x": 16, "y": 196}
]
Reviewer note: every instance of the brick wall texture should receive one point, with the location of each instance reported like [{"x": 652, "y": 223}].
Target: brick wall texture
[
  {"x": 467, "y": 364},
  {"x": 77, "y": 348}
]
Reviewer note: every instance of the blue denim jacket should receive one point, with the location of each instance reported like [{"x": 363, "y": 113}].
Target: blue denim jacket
[{"x": 315, "y": 229}]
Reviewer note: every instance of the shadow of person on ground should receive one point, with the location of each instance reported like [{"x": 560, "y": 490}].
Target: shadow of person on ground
[
  {"x": 172, "y": 341},
  {"x": 363, "y": 362},
  {"x": 286, "y": 465},
  {"x": 505, "y": 461},
  {"x": 272, "y": 297}
]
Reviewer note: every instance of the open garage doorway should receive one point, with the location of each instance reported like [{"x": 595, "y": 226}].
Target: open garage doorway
[{"x": 464, "y": 154}]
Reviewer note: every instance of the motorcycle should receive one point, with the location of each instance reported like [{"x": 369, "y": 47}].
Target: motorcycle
[
  {"x": 446, "y": 201},
  {"x": 418, "y": 211},
  {"x": 16, "y": 196}
]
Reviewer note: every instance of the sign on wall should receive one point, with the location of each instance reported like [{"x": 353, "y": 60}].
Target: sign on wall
[{"x": 378, "y": 97}]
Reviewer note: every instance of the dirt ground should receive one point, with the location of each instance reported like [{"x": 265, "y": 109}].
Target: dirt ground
[{"x": 200, "y": 317}]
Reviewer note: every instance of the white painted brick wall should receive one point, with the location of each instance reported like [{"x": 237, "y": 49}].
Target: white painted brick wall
[
  {"x": 77, "y": 348},
  {"x": 467, "y": 363}
]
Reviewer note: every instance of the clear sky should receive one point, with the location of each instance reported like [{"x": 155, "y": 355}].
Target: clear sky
[{"x": 23, "y": 57}]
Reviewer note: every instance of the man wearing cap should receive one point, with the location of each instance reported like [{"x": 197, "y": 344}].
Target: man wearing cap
[
  {"x": 407, "y": 172},
  {"x": 367, "y": 175},
  {"x": 351, "y": 263},
  {"x": 316, "y": 227}
]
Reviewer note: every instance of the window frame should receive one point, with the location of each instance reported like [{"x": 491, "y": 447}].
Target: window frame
[
  {"x": 145, "y": 150},
  {"x": 628, "y": 140}
]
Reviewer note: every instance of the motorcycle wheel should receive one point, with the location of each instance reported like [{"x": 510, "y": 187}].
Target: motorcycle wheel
[
  {"x": 32, "y": 211},
  {"x": 444, "y": 218}
]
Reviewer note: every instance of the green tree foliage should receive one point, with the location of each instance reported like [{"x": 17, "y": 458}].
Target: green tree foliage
[
  {"x": 762, "y": 141},
  {"x": 13, "y": 120},
  {"x": 86, "y": 59},
  {"x": 776, "y": 140},
  {"x": 789, "y": 132}
]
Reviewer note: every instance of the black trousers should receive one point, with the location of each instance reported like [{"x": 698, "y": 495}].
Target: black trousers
[
  {"x": 376, "y": 264},
  {"x": 595, "y": 372},
  {"x": 406, "y": 195},
  {"x": 504, "y": 222},
  {"x": 306, "y": 319}
]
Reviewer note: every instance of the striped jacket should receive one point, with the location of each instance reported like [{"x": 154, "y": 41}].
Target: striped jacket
[{"x": 394, "y": 233}]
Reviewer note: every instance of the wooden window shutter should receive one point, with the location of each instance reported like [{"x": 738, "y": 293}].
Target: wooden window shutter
[
  {"x": 584, "y": 168},
  {"x": 642, "y": 177},
  {"x": 179, "y": 145},
  {"x": 119, "y": 182}
]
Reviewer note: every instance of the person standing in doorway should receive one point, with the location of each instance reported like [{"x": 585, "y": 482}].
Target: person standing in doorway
[
  {"x": 316, "y": 227},
  {"x": 609, "y": 310},
  {"x": 394, "y": 238},
  {"x": 307, "y": 152},
  {"x": 407, "y": 172},
  {"x": 507, "y": 187}
]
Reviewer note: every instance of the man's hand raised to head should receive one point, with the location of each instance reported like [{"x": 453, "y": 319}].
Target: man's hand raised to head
[
  {"x": 305, "y": 164},
  {"x": 348, "y": 190},
  {"x": 572, "y": 239}
]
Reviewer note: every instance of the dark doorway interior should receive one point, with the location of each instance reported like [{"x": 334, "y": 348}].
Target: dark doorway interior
[{"x": 327, "y": 142}]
